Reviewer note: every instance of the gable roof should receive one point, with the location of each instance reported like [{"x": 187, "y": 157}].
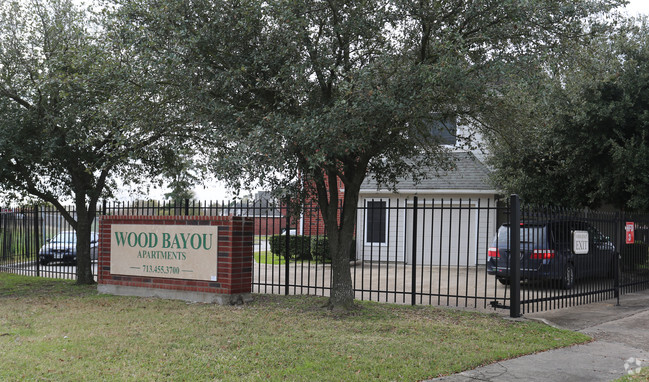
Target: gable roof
[{"x": 468, "y": 174}]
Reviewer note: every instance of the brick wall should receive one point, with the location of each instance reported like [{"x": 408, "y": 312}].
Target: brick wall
[
  {"x": 235, "y": 259},
  {"x": 268, "y": 225},
  {"x": 313, "y": 220}
]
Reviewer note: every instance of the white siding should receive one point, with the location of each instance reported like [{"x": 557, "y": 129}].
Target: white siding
[{"x": 450, "y": 230}]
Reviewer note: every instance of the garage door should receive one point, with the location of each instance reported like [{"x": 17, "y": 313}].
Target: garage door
[{"x": 446, "y": 235}]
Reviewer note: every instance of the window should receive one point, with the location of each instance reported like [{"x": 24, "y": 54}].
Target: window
[
  {"x": 376, "y": 222},
  {"x": 442, "y": 129}
]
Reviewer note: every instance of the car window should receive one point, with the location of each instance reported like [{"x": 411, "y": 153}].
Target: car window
[
  {"x": 595, "y": 235},
  {"x": 529, "y": 234},
  {"x": 65, "y": 237},
  {"x": 561, "y": 232}
]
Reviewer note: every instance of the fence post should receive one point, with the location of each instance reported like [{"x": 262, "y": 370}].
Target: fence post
[
  {"x": 618, "y": 246},
  {"x": 37, "y": 242},
  {"x": 287, "y": 242},
  {"x": 413, "y": 293},
  {"x": 515, "y": 256},
  {"x": 186, "y": 207}
]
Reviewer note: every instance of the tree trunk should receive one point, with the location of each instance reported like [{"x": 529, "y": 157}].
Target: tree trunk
[
  {"x": 84, "y": 262},
  {"x": 342, "y": 291},
  {"x": 341, "y": 236}
]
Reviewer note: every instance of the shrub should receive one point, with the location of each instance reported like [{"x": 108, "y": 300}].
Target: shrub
[
  {"x": 299, "y": 247},
  {"x": 320, "y": 249},
  {"x": 634, "y": 255}
]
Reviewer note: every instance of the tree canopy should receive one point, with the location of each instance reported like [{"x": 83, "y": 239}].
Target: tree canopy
[
  {"x": 299, "y": 94},
  {"x": 585, "y": 142},
  {"x": 75, "y": 112}
]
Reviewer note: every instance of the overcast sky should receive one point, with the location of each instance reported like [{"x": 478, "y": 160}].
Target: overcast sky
[{"x": 638, "y": 6}]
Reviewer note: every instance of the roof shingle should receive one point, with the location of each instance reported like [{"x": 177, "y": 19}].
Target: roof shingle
[{"x": 468, "y": 174}]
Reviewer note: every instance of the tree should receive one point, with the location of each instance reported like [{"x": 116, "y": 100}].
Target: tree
[
  {"x": 181, "y": 175},
  {"x": 73, "y": 114},
  {"x": 299, "y": 94},
  {"x": 588, "y": 144}
]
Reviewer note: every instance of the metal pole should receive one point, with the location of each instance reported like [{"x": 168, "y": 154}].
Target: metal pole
[
  {"x": 36, "y": 241},
  {"x": 515, "y": 256},
  {"x": 287, "y": 247},
  {"x": 618, "y": 246},
  {"x": 413, "y": 294}
]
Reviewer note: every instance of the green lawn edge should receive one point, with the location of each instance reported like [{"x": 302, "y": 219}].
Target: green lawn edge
[{"x": 56, "y": 330}]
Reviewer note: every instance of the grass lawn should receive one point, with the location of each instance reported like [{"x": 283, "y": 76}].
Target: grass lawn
[
  {"x": 259, "y": 238},
  {"x": 267, "y": 257},
  {"x": 643, "y": 376},
  {"x": 55, "y": 330}
]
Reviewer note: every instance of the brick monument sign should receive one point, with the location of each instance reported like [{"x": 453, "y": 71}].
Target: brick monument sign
[{"x": 193, "y": 258}]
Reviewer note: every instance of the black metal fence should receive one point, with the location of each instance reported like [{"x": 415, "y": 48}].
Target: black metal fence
[
  {"x": 16, "y": 235},
  {"x": 561, "y": 257},
  {"x": 438, "y": 251}
]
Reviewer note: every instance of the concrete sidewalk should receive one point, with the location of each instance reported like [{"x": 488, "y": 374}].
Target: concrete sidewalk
[{"x": 620, "y": 333}]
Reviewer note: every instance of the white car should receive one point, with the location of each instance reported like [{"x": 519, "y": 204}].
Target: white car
[{"x": 63, "y": 248}]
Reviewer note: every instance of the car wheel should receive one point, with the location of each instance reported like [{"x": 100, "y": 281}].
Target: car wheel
[
  {"x": 568, "y": 278},
  {"x": 44, "y": 262},
  {"x": 503, "y": 280}
]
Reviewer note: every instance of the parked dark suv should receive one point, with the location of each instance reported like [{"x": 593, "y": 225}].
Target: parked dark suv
[{"x": 561, "y": 251}]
